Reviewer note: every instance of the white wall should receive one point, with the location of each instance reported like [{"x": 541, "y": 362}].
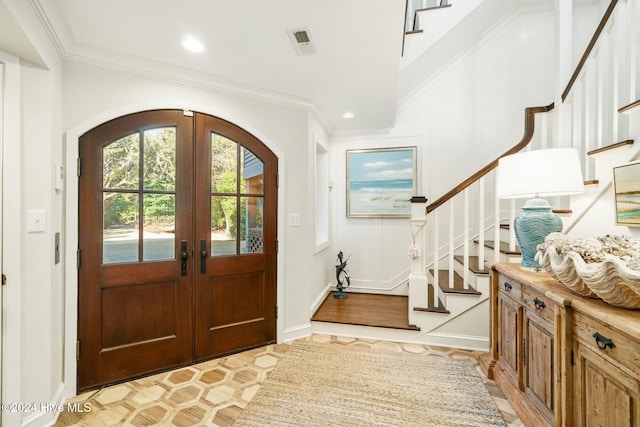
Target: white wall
[
  {"x": 460, "y": 120},
  {"x": 319, "y": 211},
  {"x": 96, "y": 94},
  {"x": 33, "y": 303}
]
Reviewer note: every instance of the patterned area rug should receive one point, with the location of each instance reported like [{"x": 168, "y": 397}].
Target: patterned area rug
[{"x": 332, "y": 385}]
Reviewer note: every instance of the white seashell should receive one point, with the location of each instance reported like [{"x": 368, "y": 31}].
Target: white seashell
[{"x": 610, "y": 279}]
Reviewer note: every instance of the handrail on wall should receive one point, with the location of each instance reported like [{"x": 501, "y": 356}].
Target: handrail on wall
[
  {"x": 530, "y": 113},
  {"x": 590, "y": 46},
  {"x": 529, "y": 127}
]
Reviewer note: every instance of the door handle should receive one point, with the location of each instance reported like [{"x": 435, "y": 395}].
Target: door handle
[
  {"x": 184, "y": 255},
  {"x": 203, "y": 256}
]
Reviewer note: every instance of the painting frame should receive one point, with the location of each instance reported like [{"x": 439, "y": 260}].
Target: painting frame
[
  {"x": 380, "y": 182},
  {"x": 626, "y": 190}
]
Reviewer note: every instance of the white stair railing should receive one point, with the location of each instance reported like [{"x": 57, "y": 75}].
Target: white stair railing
[
  {"x": 455, "y": 226},
  {"x": 415, "y": 5},
  {"x": 606, "y": 80}
]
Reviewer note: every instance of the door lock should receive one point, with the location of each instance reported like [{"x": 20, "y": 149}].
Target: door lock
[
  {"x": 203, "y": 256},
  {"x": 184, "y": 255}
]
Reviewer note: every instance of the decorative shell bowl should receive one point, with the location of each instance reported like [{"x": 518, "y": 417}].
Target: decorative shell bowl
[{"x": 595, "y": 267}]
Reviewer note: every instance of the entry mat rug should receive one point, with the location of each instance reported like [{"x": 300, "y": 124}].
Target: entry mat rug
[{"x": 333, "y": 385}]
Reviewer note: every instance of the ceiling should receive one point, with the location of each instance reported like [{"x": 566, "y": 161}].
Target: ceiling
[{"x": 248, "y": 49}]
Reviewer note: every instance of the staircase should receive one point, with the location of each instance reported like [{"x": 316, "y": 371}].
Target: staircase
[
  {"x": 436, "y": 31},
  {"x": 455, "y": 236}
]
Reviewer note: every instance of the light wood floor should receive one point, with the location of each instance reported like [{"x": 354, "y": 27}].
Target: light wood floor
[
  {"x": 214, "y": 393},
  {"x": 383, "y": 311}
]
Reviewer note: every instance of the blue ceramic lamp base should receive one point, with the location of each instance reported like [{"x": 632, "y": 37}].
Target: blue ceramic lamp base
[{"x": 531, "y": 227}]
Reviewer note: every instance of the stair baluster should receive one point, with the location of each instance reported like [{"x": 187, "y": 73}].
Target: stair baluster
[{"x": 606, "y": 80}]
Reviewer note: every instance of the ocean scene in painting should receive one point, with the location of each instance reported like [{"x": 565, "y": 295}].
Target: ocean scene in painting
[
  {"x": 627, "y": 186},
  {"x": 380, "y": 182}
]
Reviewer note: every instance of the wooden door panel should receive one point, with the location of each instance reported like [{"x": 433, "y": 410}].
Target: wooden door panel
[
  {"x": 228, "y": 302},
  {"x": 605, "y": 395},
  {"x": 141, "y": 199},
  {"x": 509, "y": 321},
  {"x": 540, "y": 364},
  {"x": 237, "y": 314},
  {"x": 539, "y": 367},
  {"x": 127, "y": 274},
  {"x": 134, "y": 316},
  {"x": 235, "y": 293},
  {"x": 119, "y": 363}
]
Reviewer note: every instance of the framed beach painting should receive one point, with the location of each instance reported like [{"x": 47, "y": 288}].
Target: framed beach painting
[
  {"x": 381, "y": 182},
  {"x": 626, "y": 180}
]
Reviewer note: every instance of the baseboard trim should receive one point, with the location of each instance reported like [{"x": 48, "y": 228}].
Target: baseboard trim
[
  {"x": 465, "y": 342},
  {"x": 296, "y": 332},
  {"x": 46, "y": 413},
  {"x": 320, "y": 298}
]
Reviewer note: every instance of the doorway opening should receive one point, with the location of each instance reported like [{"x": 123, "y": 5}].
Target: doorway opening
[{"x": 177, "y": 244}]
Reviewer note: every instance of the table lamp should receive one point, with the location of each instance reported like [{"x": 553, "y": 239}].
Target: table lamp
[{"x": 535, "y": 174}]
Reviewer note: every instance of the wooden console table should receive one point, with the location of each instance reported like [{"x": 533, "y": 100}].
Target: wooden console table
[{"x": 559, "y": 358}]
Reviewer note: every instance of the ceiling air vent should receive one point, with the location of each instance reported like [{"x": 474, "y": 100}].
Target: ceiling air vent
[{"x": 302, "y": 41}]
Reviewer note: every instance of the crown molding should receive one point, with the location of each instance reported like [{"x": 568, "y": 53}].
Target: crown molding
[{"x": 69, "y": 49}]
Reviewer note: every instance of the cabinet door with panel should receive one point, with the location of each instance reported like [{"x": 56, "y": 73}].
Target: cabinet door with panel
[
  {"x": 606, "y": 372},
  {"x": 538, "y": 362},
  {"x": 509, "y": 321},
  {"x": 604, "y": 394}
]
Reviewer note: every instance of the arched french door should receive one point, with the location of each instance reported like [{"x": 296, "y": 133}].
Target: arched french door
[{"x": 177, "y": 244}]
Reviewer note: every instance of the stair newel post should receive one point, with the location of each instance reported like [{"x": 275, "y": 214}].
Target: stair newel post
[{"x": 418, "y": 283}]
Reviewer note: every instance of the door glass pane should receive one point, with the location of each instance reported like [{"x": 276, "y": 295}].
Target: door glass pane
[
  {"x": 224, "y": 161},
  {"x": 120, "y": 164},
  {"x": 160, "y": 159},
  {"x": 236, "y": 198},
  {"x": 251, "y": 224},
  {"x": 223, "y": 225},
  {"x": 252, "y": 172},
  {"x": 159, "y": 227},
  {"x": 120, "y": 227}
]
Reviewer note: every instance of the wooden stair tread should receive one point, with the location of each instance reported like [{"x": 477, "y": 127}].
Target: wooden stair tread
[
  {"x": 458, "y": 283},
  {"x": 443, "y": 6},
  {"x": 611, "y": 147},
  {"x": 473, "y": 264},
  {"x": 431, "y": 308},
  {"x": 504, "y": 247},
  {"x": 629, "y": 107}
]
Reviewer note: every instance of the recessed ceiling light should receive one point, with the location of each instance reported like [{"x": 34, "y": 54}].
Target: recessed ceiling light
[
  {"x": 348, "y": 115},
  {"x": 192, "y": 44}
]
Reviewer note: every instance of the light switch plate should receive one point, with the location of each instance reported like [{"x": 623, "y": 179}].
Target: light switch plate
[
  {"x": 36, "y": 221},
  {"x": 294, "y": 220}
]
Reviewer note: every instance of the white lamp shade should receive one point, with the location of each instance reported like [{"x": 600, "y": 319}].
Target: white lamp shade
[{"x": 544, "y": 173}]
